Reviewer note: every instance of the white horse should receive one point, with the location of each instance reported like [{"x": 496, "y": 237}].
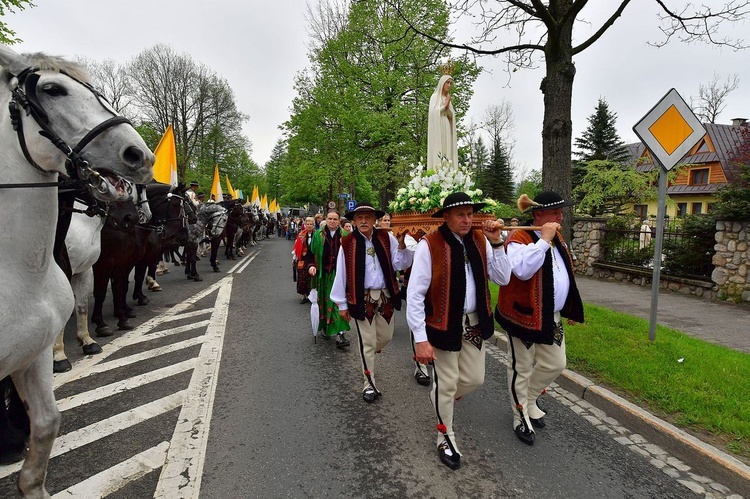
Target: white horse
[
  {"x": 83, "y": 243},
  {"x": 57, "y": 124}
]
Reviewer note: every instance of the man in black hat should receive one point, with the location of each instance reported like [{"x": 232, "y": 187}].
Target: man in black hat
[
  {"x": 365, "y": 287},
  {"x": 541, "y": 290},
  {"x": 449, "y": 311}
]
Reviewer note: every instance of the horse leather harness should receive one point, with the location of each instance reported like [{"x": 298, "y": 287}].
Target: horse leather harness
[{"x": 23, "y": 92}]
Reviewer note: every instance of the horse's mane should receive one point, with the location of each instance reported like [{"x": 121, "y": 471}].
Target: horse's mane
[
  {"x": 57, "y": 63},
  {"x": 212, "y": 208}
]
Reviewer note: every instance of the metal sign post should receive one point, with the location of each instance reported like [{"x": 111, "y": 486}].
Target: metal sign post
[{"x": 669, "y": 131}]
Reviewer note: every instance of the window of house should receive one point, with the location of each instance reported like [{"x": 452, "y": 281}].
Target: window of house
[
  {"x": 699, "y": 177},
  {"x": 681, "y": 209},
  {"x": 641, "y": 210},
  {"x": 696, "y": 208},
  {"x": 709, "y": 207}
]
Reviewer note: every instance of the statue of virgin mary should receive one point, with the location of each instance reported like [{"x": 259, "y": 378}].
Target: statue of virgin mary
[{"x": 441, "y": 127}]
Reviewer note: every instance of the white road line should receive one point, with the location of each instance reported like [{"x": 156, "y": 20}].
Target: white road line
[
  {"x": 183, "y": 471},
  {"x": 175, "y": 313},
  {"x": 114, "y": 478},
  {"x": 81, "y": 371},
  {"x": 149, "y": 354},
  {"x": 106, "y": 427},
  {"x": 240, "y": 267},
  {"x": 105, "y": 391},
  {"x": 163, "y": 333}
]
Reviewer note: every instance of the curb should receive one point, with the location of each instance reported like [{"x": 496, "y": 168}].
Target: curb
[{"x": 697, "y": 454}]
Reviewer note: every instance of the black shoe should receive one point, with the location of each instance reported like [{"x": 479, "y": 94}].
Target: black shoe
[
  {"x": 341, "y": 341},
  {"x": 538, "y": 423},
  {"x": 370, "y": 394},
  {"x": 422, "y": 378},
  {"x": 304, "y": 300},
  {"x": 524, "y": 434},
  {"x": 452, "y": 461}
]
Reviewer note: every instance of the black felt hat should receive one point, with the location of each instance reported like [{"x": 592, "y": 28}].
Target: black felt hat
[
  {"x": 457, "y": 199},
  {"x": 363, "y": 208},
  {"x": 549, "y": 200},
  {"x": 194, "y": 184}
]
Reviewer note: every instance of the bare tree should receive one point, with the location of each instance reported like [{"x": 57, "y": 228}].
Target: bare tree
[
  {"x": 111, "y": 79},
  {"x": 325, "y": 21},
  {"x": 498, "y": 120},
  {"x": 534, "y": 27},
  {"x": 711, "y": 99},
  {"x": 172, "y": 89}
]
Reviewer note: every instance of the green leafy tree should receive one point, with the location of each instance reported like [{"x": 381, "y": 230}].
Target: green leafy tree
[
  {"x": 7, "y": 35},
  {"x": 362, "y": 106},
  {"x": 607, "y": 187},
  {"x": 274, "y": 167},
  {"x": 530, "y": 184}
]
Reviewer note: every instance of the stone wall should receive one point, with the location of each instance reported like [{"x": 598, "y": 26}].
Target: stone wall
[
  {"x": 731, "y": 261},
  {"x": 731, "y": 280},
  {"x": 587, "y": 236}
]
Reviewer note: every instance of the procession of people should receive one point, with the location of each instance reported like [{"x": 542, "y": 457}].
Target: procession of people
[{"x": 358, "y": 277}]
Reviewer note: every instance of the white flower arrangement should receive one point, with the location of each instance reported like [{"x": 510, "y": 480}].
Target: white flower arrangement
[{"x": 427, "y": 189}]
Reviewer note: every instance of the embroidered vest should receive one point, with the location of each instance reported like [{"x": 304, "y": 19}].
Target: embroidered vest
[
  {"x": 525, "y": 309},
  {"x": 444, "y": 301},
  {"x": 354, "y": 257}
]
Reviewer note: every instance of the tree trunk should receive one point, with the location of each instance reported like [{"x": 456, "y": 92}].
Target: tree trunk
[{"x": 557, "y": 127}]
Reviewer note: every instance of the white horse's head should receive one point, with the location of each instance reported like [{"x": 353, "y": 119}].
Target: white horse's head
[{"x": 61, "y": 120}]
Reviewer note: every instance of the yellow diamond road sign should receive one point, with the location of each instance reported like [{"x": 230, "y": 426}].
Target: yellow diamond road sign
[{"x": 670, "y": 129}]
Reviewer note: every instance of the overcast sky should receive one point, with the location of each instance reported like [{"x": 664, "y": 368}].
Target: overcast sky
[{"x": 258, "y": 46}]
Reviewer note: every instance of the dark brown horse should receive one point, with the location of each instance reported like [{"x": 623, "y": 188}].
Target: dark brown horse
[{"x": 120, "y": 253}]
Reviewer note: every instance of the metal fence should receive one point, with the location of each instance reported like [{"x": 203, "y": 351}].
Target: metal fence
[{"x": 683, "y": 254}]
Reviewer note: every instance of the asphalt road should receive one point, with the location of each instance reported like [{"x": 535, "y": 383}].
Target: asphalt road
[{"x": 222, "y": 382}]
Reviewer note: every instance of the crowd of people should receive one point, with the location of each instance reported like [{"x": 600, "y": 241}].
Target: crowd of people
[{"x": 358, "y": 272}]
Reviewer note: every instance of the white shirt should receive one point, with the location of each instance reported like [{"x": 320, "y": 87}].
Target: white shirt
[
  {"x": 498, "y": 270},
  {"x": 527, "y": 259},
  {"x": 374, "y": 279}
]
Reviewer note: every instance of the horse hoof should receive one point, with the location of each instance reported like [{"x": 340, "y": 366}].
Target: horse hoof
[
  {"x": 10, "y": 456},
  {"x": 91, "y": 349},
  {"x": 197, "y": 278},
  {"x": 104, "y": 331},
  {"x": 124, "y": 326},
  {"x": 61, "y": 366},
  {"x": 144, "y": 300},
  {"x": 130, "y": 313},
  {"x": 217, "y": 269}
]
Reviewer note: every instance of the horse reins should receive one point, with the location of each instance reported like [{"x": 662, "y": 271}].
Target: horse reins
[{"x": 23, "y": 96}]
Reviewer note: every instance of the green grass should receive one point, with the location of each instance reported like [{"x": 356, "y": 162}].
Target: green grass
[{"x": 704, "y": 392}]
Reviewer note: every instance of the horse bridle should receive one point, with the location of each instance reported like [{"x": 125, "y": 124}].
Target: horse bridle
[
  {"x": 23, "y": 96},
  {"x": 159, "y": 224}
]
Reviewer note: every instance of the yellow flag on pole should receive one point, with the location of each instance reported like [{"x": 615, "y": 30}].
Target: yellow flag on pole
[
  {"x": 216, "y": 194},
  {"x": 229, "y": 188},
  {"x": 165, "y": 166},
  {"x": 255, "y": 199},
  {"x": 264, "y": 203},
  {"x": 274, "y": 206}
]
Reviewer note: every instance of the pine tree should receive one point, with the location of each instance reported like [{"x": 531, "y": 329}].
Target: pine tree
[
  {"x": 600, "y": 140},
  {"x": 480, "y": 159},
  {"x": 499, "y": 174}
]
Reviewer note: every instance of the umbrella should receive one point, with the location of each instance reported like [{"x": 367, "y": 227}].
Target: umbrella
[{"x": 314, "y": 313}]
